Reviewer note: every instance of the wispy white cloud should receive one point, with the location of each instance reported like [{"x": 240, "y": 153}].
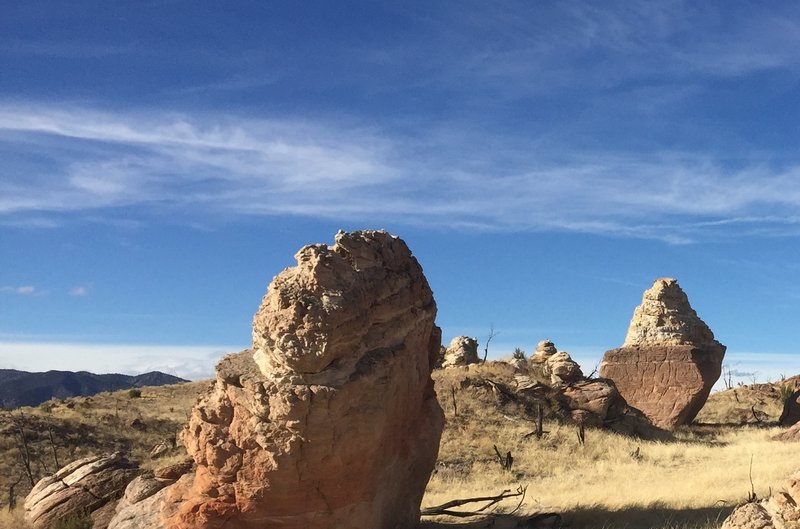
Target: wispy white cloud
[
  {"x": 22, "y": 290},
  {"x": 296, "y": 167},
  {"x": 79, "y": 291}
]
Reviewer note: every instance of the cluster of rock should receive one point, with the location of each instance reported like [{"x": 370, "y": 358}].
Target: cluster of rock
[
  {"x": 462, "y": 351},
  {"x": 780, "y": 511},
  {"x": 548, "y": 361},
  {"x": 670, "y": 359},
  {"x": 89, "y": 485},
  {"x": 555, "y": 376},
  {"x": 331, "y": 420}
]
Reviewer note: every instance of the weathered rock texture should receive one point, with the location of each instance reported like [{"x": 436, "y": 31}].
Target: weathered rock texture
[
  {"x": 563, "y": 369},
  {"x": 83, "y": 486},
  {"x": 670, "y": 359},
  {"x": 544, "y": 350},
  {"x": 462, "y": 351},
  {"x": 331, "y": 420},
  {"x": 779, "y": 511}
]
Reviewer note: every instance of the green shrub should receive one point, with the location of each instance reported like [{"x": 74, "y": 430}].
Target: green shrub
[
  {"x": 518, "y": 354},
  {"x": 135, "y": 393}
]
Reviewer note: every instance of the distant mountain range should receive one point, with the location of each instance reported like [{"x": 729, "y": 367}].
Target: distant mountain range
[{"x": 21, "y": 388}]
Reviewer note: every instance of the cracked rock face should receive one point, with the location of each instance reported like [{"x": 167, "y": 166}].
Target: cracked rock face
[
  {"x": 83, "y": 486},
  {"x": 670, "y": 359},
  {"x": 462, "y": 351},
  {"x": 331, "y": 419}
]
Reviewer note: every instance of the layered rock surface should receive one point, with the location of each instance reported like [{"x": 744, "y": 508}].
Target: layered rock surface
[
  {"x": 544, "y": 350},
  {"x": 462, "y": 351},
  {"x": 331, "y": 419},
  {"x": 670, "y": 359},
  {"x": 83, "y": 486}
]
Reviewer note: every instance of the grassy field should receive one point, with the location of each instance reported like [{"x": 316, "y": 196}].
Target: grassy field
[
  {"x": 609, "y": 481},
  {"x": 689, "y": 482}
]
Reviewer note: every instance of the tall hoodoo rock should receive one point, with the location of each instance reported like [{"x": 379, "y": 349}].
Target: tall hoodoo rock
[
  {"x": 331, "y": 419},
  {"x": 670, "y": 359}
]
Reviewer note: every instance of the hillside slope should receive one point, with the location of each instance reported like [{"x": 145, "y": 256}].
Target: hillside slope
[{"x": 21, "y": 388}]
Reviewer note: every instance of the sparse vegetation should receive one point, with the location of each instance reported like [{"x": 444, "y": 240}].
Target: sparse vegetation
[
  {"x": 65, "y": 430},
  {"x": 609, "y": 481},
  {"x": 691, "y": 482},
  {"x": 784, "y": 392},
  {"x": 518, "y": 354}
]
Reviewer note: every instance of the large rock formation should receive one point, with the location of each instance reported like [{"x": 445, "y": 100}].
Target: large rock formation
[
  {"x": 779, "y": 511},
  {"x": 331, "y": 420},
  {"x": 462, "y": 351},
  {"x": 81, "y": 487},
  {"x": 670, "y": 359}
]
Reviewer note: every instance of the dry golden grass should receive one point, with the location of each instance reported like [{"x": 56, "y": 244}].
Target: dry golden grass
[
  {"x": 12, "y": 519},
  {"x": 85, "y": 426},
  {"x": 611, "y": 481}
]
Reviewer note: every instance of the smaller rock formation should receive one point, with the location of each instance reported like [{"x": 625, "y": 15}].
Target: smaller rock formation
[
  {"x": 563, "y": 369},
  {"x": 779, "y": 511},
  {"x": 792, "y": 434},
  {"x": 670, "y": 359},
  {"x": 544, "y": 350},
  {"x": 462, "y": 351},
  {"x": 84, "y": 486},
  {"x": 791, "y": 410}
]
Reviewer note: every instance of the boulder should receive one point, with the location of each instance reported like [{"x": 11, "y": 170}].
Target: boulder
[
  {"x": 779, "y": 511},
  {"x": 792, "y": 434},
  {"x": 563, "y": 369},
  {"x": 462, "y": 351},
  {"x": 81, "y": 487},
  {"x": 331, "y": 420},
  {"x": 544, "y": 350},
  {"x": 670, "y": 359},
  {"x": 791, "y": 410}
]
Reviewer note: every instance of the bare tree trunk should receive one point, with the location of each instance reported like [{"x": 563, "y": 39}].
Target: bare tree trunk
[
  {"x": 492, "y": 334},
  {"x": 539, "y": 420},
  {"x": 53, "y": 445},
  {"x": 12, "y": 497},
  {"x": 24, "y": 449}
]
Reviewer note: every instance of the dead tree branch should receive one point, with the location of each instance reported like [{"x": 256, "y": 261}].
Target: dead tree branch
[
  {"x": 445, "y": 508},
  {"x": 505, "y": 462},
  {"x": 22, "y": 446}
]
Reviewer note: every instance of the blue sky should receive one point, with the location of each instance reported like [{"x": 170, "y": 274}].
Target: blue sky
[{"x": 545, "y": 161}]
